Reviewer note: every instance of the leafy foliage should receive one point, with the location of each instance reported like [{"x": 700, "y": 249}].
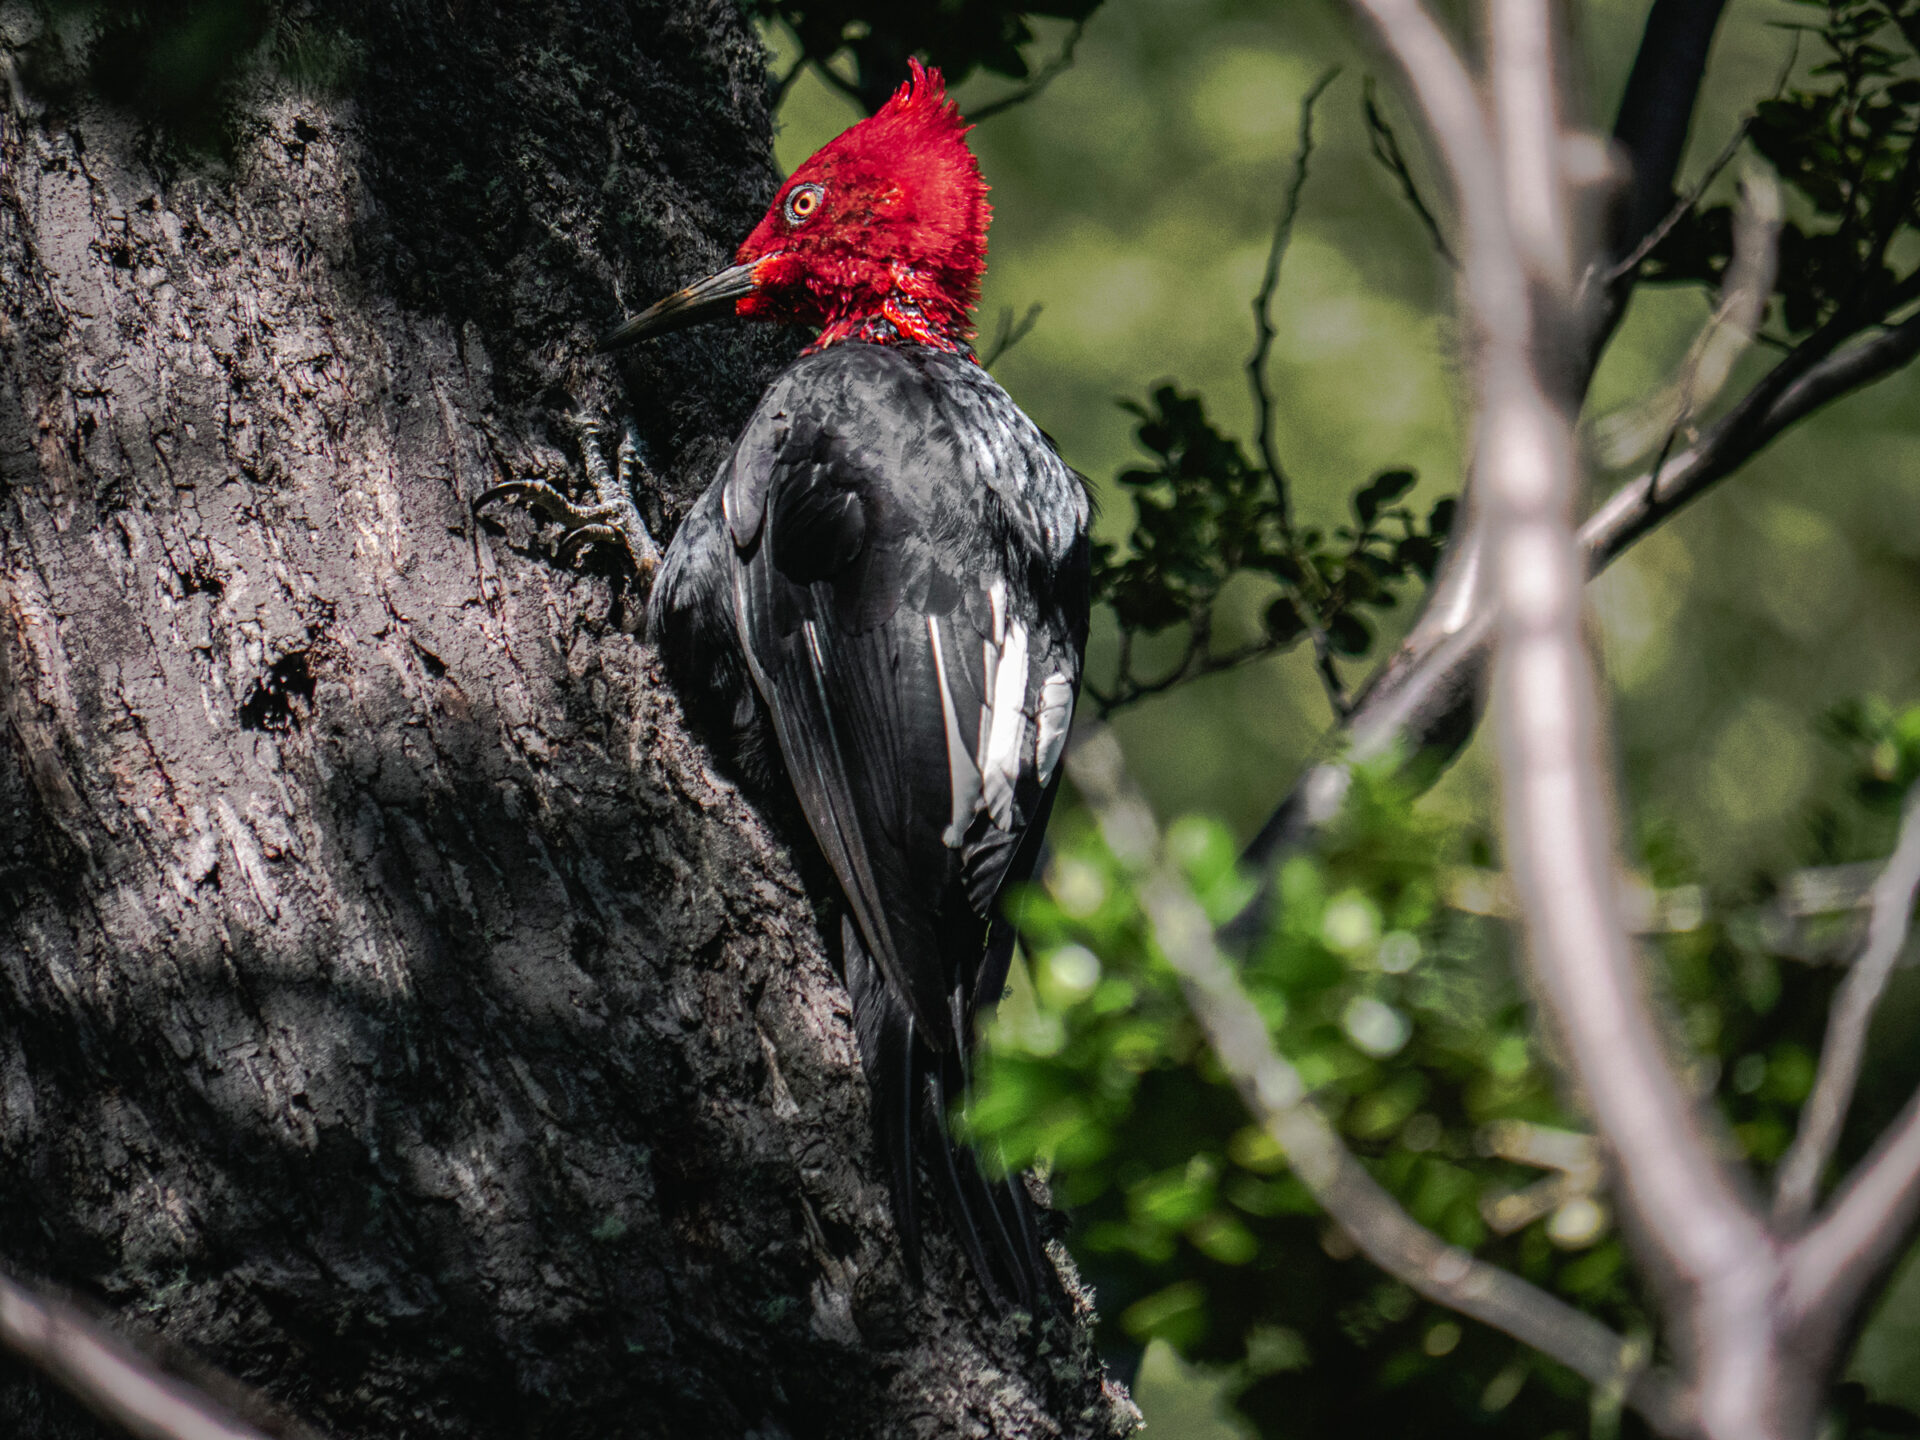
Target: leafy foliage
[
  {"x": 1846, "y": 146},
  {"x": 1205, "y": 514},
  {"x": 1397, "y": 1005},
  {"x": 959, "y": 36},
  {"x": 1884, "y": 745}
]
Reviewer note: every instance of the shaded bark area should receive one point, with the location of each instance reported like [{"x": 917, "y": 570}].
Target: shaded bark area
[{"x": 396, "y": 1007}]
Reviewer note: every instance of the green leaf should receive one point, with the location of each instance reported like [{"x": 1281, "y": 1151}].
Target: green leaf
[
  {"x": 1348, "y": 634},
  {"x": 1283, "y": 621},
  {"x": 1385, "y": 488}
]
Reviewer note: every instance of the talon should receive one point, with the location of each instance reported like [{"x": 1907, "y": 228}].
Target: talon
[
  {"x": 542, "y": 498},
  {"x": 577, "y": 539},
  {"x": 612, "y": 518}
]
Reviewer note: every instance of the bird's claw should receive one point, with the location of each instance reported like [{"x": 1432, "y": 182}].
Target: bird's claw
[{"x": 611, "y": 518}]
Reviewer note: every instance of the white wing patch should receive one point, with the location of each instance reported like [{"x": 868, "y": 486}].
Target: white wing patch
[
  {"x": 1056, "y": 715},
  {"x": 963, "y": 776},
  {"x": 1000, "y": 754},
  {"x": 1012, "y": 729}
]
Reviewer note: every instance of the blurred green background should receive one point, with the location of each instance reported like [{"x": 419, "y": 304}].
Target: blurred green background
[{"x": 1135, "y": 198}]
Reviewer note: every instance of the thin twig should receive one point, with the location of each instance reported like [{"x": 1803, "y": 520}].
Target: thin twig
[
  {"x": 1746, "y": 287},
  {"x": 1794, "y": 389},
  {"x": 1044, "y": 77},
  {"x": 107, "y": 1374},
  {"x": 1386, "y": 149},
  {"x": 1194, "y": 665},
  {"x": 1277, "y": 1097},
  {"x": 1845, "y": 1046},
  {"x": 1263, "y": 303},
  {"x": 1011, "y": 332},
  {"x": 1311, "y": 599},
  {"x": 1330, "y": 679},
  {"x": 1651, "y": 240}
]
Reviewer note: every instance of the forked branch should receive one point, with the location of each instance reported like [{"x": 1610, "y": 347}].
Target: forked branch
[{"x": 1845, "y": 1047}]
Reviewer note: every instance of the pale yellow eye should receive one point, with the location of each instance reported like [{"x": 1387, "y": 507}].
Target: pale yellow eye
[{"x": 802, "y": 203}]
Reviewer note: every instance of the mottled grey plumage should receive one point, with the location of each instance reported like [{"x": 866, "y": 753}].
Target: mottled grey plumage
[{"x": 891, "y": 572}]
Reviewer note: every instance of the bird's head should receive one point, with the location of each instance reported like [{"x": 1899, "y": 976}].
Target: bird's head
[{"x": 881, "y": 235}]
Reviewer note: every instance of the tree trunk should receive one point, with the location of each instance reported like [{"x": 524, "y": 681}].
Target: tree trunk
[{"x": 396, "y": 1007}]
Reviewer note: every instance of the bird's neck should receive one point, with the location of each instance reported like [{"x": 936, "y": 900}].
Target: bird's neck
[{"x": 912, "y": 310}]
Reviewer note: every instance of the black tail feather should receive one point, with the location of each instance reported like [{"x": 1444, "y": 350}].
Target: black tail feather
[
  {"x": 952, "y": 1170},
  {"x": 885, "y": 1031},
  {"x": 913, "y": 1087}
]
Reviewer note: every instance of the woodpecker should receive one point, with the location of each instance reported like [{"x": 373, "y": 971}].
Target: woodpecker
[{"x": 887, "y": 584}]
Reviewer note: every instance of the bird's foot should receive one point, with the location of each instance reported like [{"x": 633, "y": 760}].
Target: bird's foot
[{"x": 609, "y": 518}]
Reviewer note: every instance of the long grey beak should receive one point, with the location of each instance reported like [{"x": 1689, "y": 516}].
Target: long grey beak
[{"x": 702, "y": 300}]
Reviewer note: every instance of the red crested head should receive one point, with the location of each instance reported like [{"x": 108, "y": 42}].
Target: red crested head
[{"x": 881, "y": 235}]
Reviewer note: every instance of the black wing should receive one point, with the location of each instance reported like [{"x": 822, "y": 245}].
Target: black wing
[
  {"x": 898, "y": 559},
  {"x": 910, "y": 595}
]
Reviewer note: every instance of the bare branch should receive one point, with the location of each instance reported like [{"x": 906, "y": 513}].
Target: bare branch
[
  {"x": 1709, "y": 1251},
  {"x": 1833, "y": 1266},
  {"x": 107, "y": 1374},
  {"x": 1386, "y": 149},
  {"x": 1277, "y": 1097},
  {"x": 1558, "y": 806},
  {"x": 1793, "y": 390},
  {"x": 1039, "y": 81},
  {"x": 1798, "y": 1180},
  {"x": 1425, "y": 701}
]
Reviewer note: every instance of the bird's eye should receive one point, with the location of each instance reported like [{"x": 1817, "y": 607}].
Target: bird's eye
[{"x": 802, "y": 203}]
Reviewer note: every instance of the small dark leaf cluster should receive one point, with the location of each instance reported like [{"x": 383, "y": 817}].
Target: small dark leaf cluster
[
  {"x": 1845, "y": 144},
  {"x": 1204, "y": 513},
  {"x": 959, "y": 36}
]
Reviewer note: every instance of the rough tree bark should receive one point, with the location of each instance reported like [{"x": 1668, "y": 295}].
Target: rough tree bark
[{"x": 396, "y": 1007}]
